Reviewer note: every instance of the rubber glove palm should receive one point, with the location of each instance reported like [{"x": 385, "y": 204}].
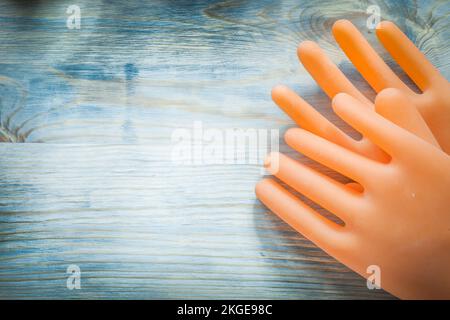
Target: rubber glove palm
[{"x": 397, "y": 216}]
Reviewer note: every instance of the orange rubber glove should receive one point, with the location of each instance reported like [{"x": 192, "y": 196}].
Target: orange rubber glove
[
  {"x": 396, "y": 217},
  {"x": 414, "y": 257},
  {"x": 433, "y": 103}
]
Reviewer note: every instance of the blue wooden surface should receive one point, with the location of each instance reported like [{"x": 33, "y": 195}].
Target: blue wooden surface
[{"x": 94, "y": 184}]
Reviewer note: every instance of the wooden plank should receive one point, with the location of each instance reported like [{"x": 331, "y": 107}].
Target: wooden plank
[
  {"x": 95, "y": 185},
  {"x": 139, "y": 227}
]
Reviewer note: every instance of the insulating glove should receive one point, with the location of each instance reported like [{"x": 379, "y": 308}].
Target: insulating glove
[
  {"x": 433, "y": 102},
  {"x": 396, "y": 215}
]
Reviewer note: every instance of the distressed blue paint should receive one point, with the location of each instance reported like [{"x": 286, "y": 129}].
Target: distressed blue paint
[{"x": 100, "y": 190}]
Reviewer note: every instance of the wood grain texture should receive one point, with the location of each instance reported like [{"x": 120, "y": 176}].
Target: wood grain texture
[{"x": 94, "y": 184}]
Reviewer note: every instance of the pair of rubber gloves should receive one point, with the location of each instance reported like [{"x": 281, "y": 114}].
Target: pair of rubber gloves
[{"x": 396, "y": 213}]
